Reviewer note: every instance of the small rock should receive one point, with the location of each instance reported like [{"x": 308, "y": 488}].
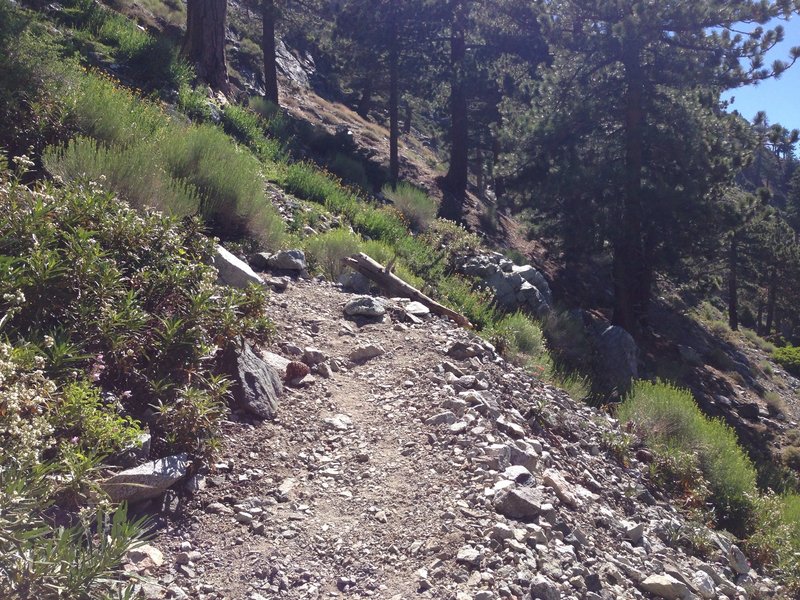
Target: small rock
[
  {"x": 704, "y": 585},
  {"x": 737, "y": 560},
  {"x": 553, "y": 479},
  {"x": 234, "y": 271},
  {"x": 523, "y": 503},
  {"x": 145, "y": 557},
  {"x": 544, "y": 589},
  {"x": 339, "y": 422},
  {"x": 469, "y": 556},
  {"x": 665, "y": 586},
  {"x": 288, "y": 260},
  {"x": 366, "y": 352},
  {"x": 443, "y": 418},
  {"x": 149, "y": 480}
]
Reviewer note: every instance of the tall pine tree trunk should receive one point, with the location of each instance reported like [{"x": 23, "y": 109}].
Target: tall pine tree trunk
[
  {"x": 632, "y": 277},
  {"x": 772, "y": 296},
  {"x": 204, "y": 44},
  {"x": 365, "y": 102},
  {"x": 268, "y": 18},
  {"x": 394, "y": 99},
  {"x": 456, "y": 179},
  {"x": 733, "y": 282}
]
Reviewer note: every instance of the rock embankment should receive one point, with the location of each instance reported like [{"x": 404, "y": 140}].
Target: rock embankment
[{"x": 427, "y": 467}]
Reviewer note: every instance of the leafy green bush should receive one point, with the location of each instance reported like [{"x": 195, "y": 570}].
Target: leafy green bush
[
  {"x": 775, "y": 540},
  {"x": 413, "y": 203},
  {"x": 789, "y": 358},
  {"x": 38, "y": 558},
  {"x": 669, "y": 419},
  {"x": 326, "y": 251},
  {"x": 129, "y": 300},
  {"x": 97, "y": 428},
  {"x": 475, "y": 304},
  {"x": 385, "y": 254}
]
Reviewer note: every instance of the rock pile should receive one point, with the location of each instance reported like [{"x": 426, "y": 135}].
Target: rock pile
[{"x": 515, "y": 288}]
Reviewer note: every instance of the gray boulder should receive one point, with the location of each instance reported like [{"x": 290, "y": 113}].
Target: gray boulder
[
  {"x": 524, "y": 503},
  {"x": 256, "y": 385},
  {"x": 146, "y": 481},
  {"x": 288, "y": 260},
  {"x": 619, "y": 357},
  {"x": 234, "y": 271},
  {"x": 365, "y": 306},
  {"x": 354, "y": 282}
]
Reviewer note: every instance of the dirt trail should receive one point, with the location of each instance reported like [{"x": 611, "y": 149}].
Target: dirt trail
[{"x": 357, "y": 498}]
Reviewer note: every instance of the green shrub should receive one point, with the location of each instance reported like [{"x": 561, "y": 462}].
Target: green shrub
[
  {"x": 350, "y": 170},
  {"x": 385, "y": 254},
  {"x": 80, "y": 562},
  {"x": 413, "y": 203},
  {"x": 379, "y": 224},
  {"x": 791, "y": 457},
  {"x": 152, "y": 160},
  {"x": 775, "y": 404},
  {"x": 517, "y": 333},
  {"x": 789, "y": 358},
  {"x": 326, "y": 251},
  {"x": 95, "y": 427},
  {"x": 671, "y": 422},
  {"x": 126, "y": 299},
  {"x": 475, "y": 304},
  {"x": 133, "y": 172},
  {"x": 247, "y": 127},
  {"x": 775, "y": 541},
  {"x": 194, "y": 104}
]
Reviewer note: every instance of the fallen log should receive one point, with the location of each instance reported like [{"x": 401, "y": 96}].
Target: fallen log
[{"x": 394, "y": 286}]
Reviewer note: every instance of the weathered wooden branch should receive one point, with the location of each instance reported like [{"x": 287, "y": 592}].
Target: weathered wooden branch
[{"x": 394, "y": 286}]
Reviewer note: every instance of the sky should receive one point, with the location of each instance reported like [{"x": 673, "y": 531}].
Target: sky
[{"x": 780, "y": 98}]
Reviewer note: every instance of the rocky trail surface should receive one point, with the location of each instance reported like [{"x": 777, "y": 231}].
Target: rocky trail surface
[{"x": 414, "y": 462}]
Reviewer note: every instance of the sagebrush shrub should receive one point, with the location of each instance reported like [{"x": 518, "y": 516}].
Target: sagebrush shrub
[
  {"x": 669, "y": 419},
  {"x": 789, "y": 358},
  {"x": 326, "y": 251},
  {"x": 413, "y": 203}
]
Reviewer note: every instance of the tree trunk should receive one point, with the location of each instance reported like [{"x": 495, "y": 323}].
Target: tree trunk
[
  {"x": 204, "y": 44},
  {"x": 268, "y": 17},
  {"x": 456, "y": 178},
  {"x": 365, "y": 102},
  {"x": 394, "y": 99},
  {"x": 733, "y": 283},
  {"x": 632, "y": 277},
  {"x": 760, "y": 318},
  {"x": 771, "y": 297}
]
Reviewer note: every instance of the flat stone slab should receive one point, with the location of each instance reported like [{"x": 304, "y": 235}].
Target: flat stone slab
[{"x": 146, "y": 481}]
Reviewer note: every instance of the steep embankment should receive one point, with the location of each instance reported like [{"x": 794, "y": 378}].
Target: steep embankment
[{"x": 428, "y": 470}]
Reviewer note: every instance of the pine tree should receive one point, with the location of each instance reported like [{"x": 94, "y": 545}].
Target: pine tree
[{"x": 631, "y": 101}]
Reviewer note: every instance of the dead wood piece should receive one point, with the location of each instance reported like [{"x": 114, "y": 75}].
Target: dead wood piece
[{"x": 395, "y": 286}]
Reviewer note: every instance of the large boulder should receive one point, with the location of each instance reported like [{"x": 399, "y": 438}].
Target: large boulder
[
  {"x": 234, "y": 271},
  {"x": 256, "y": 385},
  {"x": 515, "y": 287},
  {"x": 288, "y": 260},
  {"x": 146, "y": 481},
  {"x": 619, "y": 357}
]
